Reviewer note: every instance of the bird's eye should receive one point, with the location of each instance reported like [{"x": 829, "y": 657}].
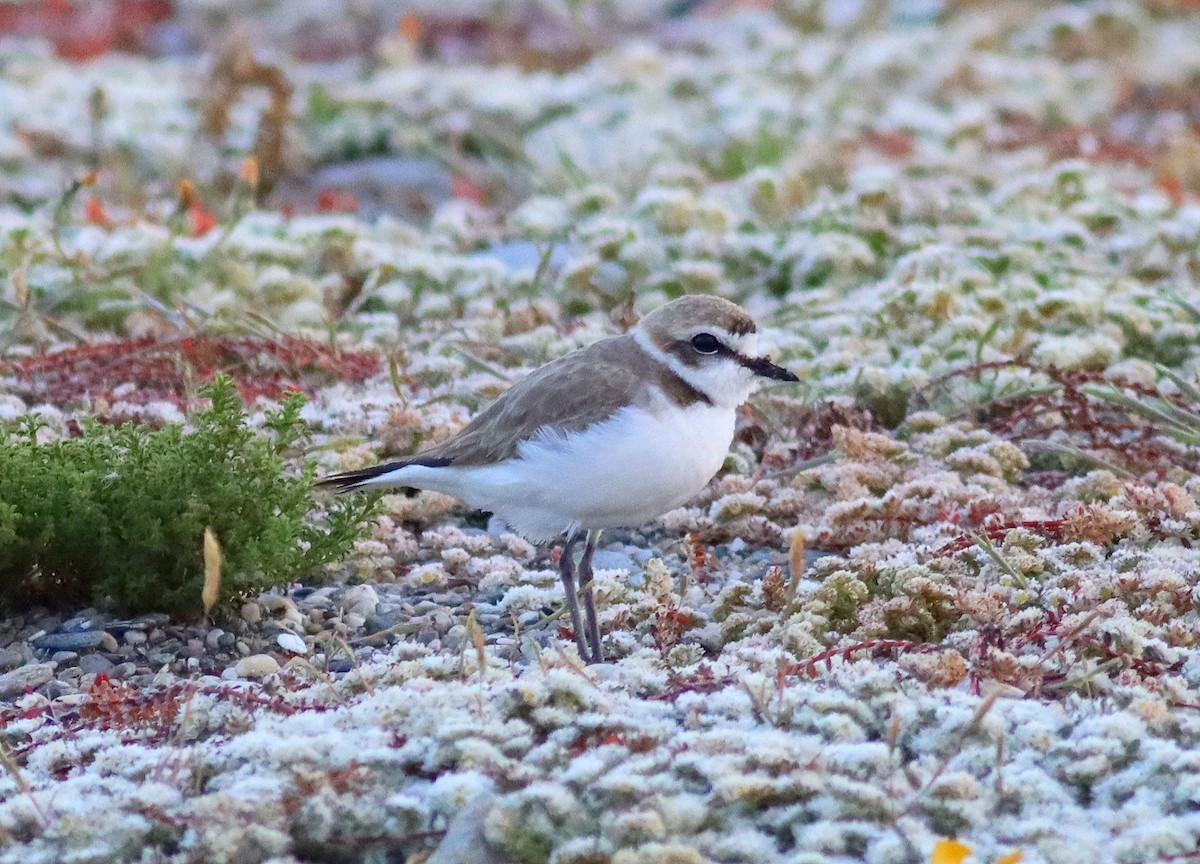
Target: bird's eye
[{"x": 706, "y": 343}]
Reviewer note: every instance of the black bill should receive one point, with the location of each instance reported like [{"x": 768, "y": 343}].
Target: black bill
[{"x": 764, "y": 367}]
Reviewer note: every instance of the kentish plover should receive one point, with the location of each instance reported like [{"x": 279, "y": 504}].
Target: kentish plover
[{"x": 612, "y": 435}]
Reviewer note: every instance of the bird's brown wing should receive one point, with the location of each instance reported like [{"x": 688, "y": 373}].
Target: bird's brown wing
[{"x": 567, "y": 395}]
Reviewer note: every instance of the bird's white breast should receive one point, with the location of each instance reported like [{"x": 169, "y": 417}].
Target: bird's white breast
[{"x": 624, "y": 471}]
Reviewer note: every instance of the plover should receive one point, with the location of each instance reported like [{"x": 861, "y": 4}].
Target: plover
[{"x": 612, "y": 435}]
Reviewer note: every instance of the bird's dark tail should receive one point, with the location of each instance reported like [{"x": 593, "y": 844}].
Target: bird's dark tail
[{"x": 350, "y": 481}]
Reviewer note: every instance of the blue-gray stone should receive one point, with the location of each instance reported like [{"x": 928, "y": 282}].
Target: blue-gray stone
[
  {"x": 525, "y": 255},
  {"x": 609, "y": 559},
  {"x": 82, "y": 640},
  {"x": 96, "y": 664},
  {"x": 465, "y": 842}
]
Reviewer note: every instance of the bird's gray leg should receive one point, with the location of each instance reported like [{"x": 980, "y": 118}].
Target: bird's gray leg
[
  {"x": 566, "y": 570},
  {"x": 589, "y": 601}
]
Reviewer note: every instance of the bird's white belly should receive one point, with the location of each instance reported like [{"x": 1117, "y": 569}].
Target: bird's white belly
[{"x": 622, "y": 472}]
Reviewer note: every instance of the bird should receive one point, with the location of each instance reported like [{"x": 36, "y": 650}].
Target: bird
[{"x": 612, "y": 435}]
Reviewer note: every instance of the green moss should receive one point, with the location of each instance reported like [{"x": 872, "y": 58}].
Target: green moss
[
  {"x": 526, "y": 845},
  {"x": 117, "y": 515}
]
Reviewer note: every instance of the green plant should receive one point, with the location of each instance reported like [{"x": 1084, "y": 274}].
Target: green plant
[{"x": 116, "y": 516}]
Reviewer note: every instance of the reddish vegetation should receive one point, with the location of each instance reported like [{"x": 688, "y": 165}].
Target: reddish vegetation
[
  {"x": 336, "y": 201},
  {"x": 811, "y": 667},
  {"x": 1120, "y": 435},
  {"x": 153, "y": 714},
  {"x": 82, "y": 31},
  {"x": 1048, "y": 527},
  {"x": 165, "y": 370},
  {"x": 202, "y": 221},
  {"x": 1069, "y": 142}
]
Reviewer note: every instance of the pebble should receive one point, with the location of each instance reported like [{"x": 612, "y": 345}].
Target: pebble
[
  {"x": 27, "y": 677},
  {"x": 353, "y": 620},
  {"x": 57, "y": 689},
  {"x": 78, "y": 623},
  {"x": 123, "y": 670},
  {"x": 256, "y": 666},
  {"x": 151, "y": 620},
  {"x": 14, "y": 655},
  {"x": 384, "y": 621},
  {"x": 251, "y": 612},
  {"x": 277, "y": 604},
  {"x": 291, "y": 642},
  {"x": 608, "y": 559},
  {"x": 81, "y": 640},
  {"x": 213, "y": 639},
  {"x": 361, "y": 599},
  {"x": 340, "y": 664},
  {"x": 96, "y": 664},
  {"x": 465, "y": 842},
  {"x": 135, "y": 637},
  {"x": 108, "y": 641}
]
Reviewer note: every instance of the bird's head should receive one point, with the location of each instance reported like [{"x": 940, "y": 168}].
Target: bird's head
[{"x": 712, "y": 344}]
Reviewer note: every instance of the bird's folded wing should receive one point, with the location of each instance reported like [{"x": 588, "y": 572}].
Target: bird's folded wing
[{"x": 564, "y": 396}]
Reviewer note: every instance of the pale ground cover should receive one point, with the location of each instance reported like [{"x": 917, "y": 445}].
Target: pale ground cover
[{"x": 1006, "y": 632}]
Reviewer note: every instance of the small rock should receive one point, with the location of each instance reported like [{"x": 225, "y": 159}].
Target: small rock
[
  {"x": 441, "y": 621},
  {"x": 96, "y": 664},
  {"x": 14, "y": 656},
  {"x": 242, "y": 648},
  {"x": 108, "y": 641},
  {"x": 212, "y": 639},
  {"x": 193, "y": 648},
  {"x": 57, "y": 689},
  {"x": 226, "y": 641},
  {"x": 150, "y": 620},
  {"x": 28, "y": 677},
  {"x": 291, "y": 642},
  {"x": 135, "y": 637},
  {"x": 427, "y": 636},
  {"x": 277, "y": 604},
  {"x": 340, "y": 664},
  {"x": 256, "y": 666},
  {"x": 89, "y": 619},
  {"x": 82, "y": 640},
  {"x": 63, "y": 657},
  {"x": 353, "y": 620},
  {"x": 123, "y": 670},
  {"x": 251, "y": 612},
  {"x": 383, "y": 621},
  {"x": 455, "y": 638},
  {"x": 609, "y": 559},
  {"x": 361, "y": 599},
  {"x": 465, "y": 842}
]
